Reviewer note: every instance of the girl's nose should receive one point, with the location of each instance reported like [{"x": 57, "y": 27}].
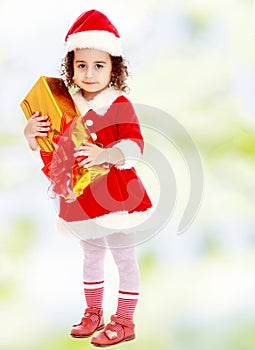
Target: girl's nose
[{"x": 89, "y": 72}]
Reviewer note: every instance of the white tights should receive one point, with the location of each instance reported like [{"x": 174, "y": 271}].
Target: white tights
[{"x": 124, "y": 256}]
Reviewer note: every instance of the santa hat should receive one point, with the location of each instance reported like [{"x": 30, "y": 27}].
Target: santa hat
[{"x": 93, "y": 30}]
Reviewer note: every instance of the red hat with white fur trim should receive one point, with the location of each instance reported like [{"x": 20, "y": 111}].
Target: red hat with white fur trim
[{"x": 93, "y": 30}]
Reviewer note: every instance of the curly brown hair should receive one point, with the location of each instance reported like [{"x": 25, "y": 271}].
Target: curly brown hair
[{"x": 119, "y": 71}]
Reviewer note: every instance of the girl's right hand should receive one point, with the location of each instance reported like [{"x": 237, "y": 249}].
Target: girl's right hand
[{"x": 37, "y": 125}]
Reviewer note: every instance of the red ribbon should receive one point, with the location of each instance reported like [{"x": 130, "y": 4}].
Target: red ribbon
[{"x": 60, "y": 166}]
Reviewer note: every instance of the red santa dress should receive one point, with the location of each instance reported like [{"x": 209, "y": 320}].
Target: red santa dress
[{"x": 118, "y": 201}]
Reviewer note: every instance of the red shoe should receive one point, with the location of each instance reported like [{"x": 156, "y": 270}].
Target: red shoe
[
  {"x": 117, "y": 331},
  {"x": 88, "y": 326}
]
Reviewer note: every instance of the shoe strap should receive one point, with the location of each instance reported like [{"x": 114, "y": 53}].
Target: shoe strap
[
  {"x": 122, "y": 321},
  {"x": 94, "y": 310}
]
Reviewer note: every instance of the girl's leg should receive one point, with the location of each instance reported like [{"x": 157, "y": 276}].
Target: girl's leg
[
  {"x": 93, "y": 271},
  {"x": 129, "y": 274},
  {"x": 122, "y": 328},
  {"x": 93, "y": 281}
]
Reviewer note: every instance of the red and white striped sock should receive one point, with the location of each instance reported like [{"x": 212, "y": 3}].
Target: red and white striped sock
[
  {"x": 94, "y": 292},
  {"x": 127, "y": 302}
]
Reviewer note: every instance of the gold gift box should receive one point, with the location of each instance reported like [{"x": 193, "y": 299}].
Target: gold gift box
[{"x": 50, "y": 97}]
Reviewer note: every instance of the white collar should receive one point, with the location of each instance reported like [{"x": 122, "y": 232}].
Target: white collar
[{"x": 100, "y": 103}]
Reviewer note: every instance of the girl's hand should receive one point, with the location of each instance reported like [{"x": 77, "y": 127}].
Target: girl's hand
[
  {"x": 37, "y": 125},
  {"x": 94, "y": 154}
]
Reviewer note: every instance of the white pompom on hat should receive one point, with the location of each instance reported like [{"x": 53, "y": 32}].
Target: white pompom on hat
[{"x": 93, "y": 30}]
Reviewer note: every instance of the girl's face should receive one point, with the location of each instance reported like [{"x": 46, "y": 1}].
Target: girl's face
[{"x": 92, "y": 71}]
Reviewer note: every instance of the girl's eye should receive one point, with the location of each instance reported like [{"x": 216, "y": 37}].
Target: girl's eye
[
  {"x": 82, "y": 66},
  {"x": 99, "y": 66}
]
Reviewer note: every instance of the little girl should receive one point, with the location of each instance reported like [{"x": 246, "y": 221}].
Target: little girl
[{"x": 104, "y": 214}]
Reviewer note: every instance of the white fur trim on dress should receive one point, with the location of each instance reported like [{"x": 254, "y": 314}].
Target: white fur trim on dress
[
  {"x": 100, "y": 103},
  {"x": 95, "y": 39},
  {"x": 131, "y": 151},
  {"x": 107, "y": 224}
]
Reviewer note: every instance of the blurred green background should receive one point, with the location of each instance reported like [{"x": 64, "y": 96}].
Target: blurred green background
[{"x": 196, "y": 61}]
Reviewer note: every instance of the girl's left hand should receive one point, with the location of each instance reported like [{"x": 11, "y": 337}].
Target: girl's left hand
[{"x": 94, "y": 154}]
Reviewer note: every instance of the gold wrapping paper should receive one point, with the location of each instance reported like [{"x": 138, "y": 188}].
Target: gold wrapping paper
[
  {"x": 51, "y": 97},
  {"x": 86, "y": 175}
]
